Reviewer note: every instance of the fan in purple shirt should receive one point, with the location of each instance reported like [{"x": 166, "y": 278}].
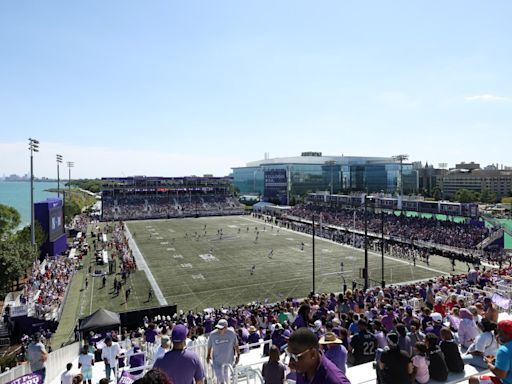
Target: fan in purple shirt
[{"x": 311, "y": 365}]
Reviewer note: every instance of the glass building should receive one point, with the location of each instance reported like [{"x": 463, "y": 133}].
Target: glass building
[{"x": 313, "y": 172}]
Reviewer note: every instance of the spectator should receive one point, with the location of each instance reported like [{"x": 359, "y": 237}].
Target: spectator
[
  {"x": 180, "y": 365},
  {"x": 485, "y": 345},
  {"x": 85, "y": 363},
  {"x": 437, "y": 368},
  {"x": 37, "y": 356},
  {"x": 222, "y": 345},
  {"x": 153, "y": 376},
  {"x": 500, "y": 366},
  {"x": 311, "y": 366},
  {"x": 68, "y": 375},
  {"x": 165, "y": 346},
  {"x": 110, "y": 354},
  {"x": 451, "y": 352},
  {"x": 363, "y": 344},
  {"x": 394, "y": 365},
  {"x": 335, "y": 352},
  {"x": 78, "y": 379},
  {"x": 468, "y": 331},
  {"x": 273, "y": 371},
  {"x": 420, "y": 363},
  {"x": 404, "y": 341}
]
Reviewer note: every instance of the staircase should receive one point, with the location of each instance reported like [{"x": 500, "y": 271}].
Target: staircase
[{"x": 489, "y": 240}]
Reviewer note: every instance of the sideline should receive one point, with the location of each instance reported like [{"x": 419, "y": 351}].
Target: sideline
[
  {"x": 143, "y": 266},
  {"x": 350, "y": 247}
]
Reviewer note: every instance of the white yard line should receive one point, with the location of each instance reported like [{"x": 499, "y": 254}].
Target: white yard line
[
  {"x": 92, "y": 294},
  {"x": 142, "y": 265}
]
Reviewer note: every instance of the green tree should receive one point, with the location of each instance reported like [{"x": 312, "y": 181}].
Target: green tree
[
  {"x": 437, "y": 194},
  {"x": 15, "y": 258},
  {"x": 71, "y": 209},
  {"x": 9, "y": 220},
  {"x": 466, "y": 196},
  {"x": 487, "y": 196},
  {"x": 25, "y": 235}
]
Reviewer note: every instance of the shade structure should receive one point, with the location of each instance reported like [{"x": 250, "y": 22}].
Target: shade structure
[{"x": 100, "y": 319}]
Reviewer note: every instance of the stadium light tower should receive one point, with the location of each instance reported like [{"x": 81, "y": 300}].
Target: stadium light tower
[
  {"x": 33, "y": 146},
  {"x": 401, "y": 159},
  {"x": 59, "y": 161},
  {"x": 70, "y": 165}
]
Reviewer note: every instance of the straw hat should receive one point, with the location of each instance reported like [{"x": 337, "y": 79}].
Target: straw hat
[{"x": 330, "y": 338}]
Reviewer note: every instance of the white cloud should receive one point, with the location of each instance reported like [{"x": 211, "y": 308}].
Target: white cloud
[
  {"x": 487, "y": 97},
  {"x": 103, "y": 161}
]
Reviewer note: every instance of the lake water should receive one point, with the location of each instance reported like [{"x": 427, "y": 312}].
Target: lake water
[{"x": 17, "y": 194}]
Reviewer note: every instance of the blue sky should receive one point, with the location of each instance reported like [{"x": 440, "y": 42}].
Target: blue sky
[{"x": 179, "y": 88}]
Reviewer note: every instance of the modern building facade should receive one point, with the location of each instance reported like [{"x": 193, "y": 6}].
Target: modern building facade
[
  {"x": 471, "y": 177},
  {"x": 313, "y": 172}
]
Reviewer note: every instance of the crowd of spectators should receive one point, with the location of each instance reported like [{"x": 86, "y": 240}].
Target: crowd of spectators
[
  {"x": 46, "y": 286},
  {"x": 153, "y": 207},
  {"x": 430, "y": 230},
  {"x": 422, "y": 331}
]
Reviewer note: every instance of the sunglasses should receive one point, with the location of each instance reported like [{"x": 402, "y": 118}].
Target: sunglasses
[{"x": 295, "y": 357}]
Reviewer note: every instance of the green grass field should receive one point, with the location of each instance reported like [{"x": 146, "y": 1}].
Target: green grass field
[{"x": 191, "y": 279}]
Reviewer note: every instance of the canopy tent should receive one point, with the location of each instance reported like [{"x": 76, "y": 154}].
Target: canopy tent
[{"x": 100, "y": 319}]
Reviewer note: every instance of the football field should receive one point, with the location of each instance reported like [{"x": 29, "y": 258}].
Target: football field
[{"x": 197, "y": 268}]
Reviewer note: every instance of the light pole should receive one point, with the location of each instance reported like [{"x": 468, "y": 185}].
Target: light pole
[
  {"x": 382, "y": 282},
  {"x": 365, "y": 271},
  {"x": 313, "y": 250},
  {"x": 33, "y": 146},
  {"x": 401, "y": 159},
  {"x": 70, "y": 165},
  {"x": 59, "y": 161}
]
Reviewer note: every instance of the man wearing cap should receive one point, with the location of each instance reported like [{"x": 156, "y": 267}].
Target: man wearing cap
[
  {"x": 222, "y": 347},
  {"x": 311, "y": 365},
  {"x": 501, "y": 367},
  {"x": 37, "y": 356},
  {"x": 110, "y": 354},
  {"x": 182, "y": 366},
  {"x": 335, "y": 352}
]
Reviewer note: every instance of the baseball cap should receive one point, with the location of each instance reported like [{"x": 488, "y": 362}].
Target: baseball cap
[
  {"x": 223, "y": 323},
  {"x": 506, "y": 326},
  {"x": 179, "y": 333},
  {"x": 437, "y": 317}
]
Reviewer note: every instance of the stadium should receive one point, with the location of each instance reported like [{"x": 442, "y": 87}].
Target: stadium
[{"x": 171, "y": 250}]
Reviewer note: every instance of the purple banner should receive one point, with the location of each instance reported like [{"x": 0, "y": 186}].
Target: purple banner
[
  {"x": 126, "y": 378},
  {"x": 31, "y": 378}
]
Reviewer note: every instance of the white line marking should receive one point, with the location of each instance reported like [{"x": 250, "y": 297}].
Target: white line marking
[{"x": 141, "y": 262}]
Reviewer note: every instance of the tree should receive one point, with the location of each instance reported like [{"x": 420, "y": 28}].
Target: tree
[
  {"x": 487, "y": 196},
  {"x": 15, "y": 258},
  {"x": 71, "y": 209},
  {"x": 9, "y": 220},
  {"x": 25, "y": 235},
  {"x": 437, "y": 194},
  {"x": 466, "y": 196}
]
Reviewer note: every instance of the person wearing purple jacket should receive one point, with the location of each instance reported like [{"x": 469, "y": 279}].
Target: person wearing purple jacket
[
  {"x": 335, "y": 351},
  {"x": 311, "y": 365}
]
